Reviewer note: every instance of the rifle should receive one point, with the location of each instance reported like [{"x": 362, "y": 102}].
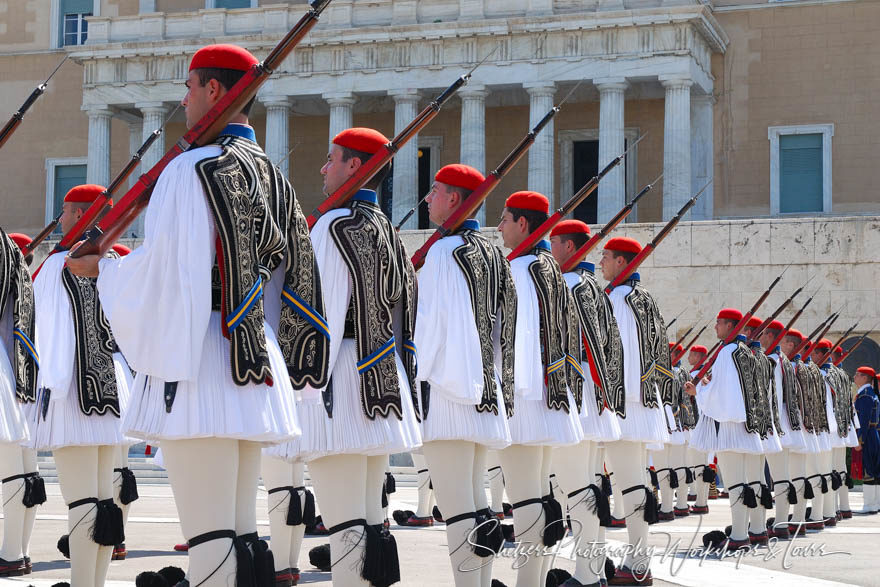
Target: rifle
[
  {"x": 791, "y": 322},
  {"x": 684, "y": 336},
  {"x": 840, "y": 340},
  {"x": 374, "y": 164},
  {"x": 97, "y": 207},
  {"x": 573, "y": 202},
  {"x": 757, "y": 332},
  {"x": 16, "y": 118},
  {"x": 611, "y": 225},
  {"x": 826, "y": 324},
  {"x": 649, "y": 248},
  {"x": 411, "y": 212},
  {"x": 855, "y": 346},
  {"x": 687, "y": 347},
  {"x": 479, "y": 195},
  {"x": 101, "y": 237},
  {"x": 815, "y": 340},
  {"x": 739, "y": 326},
  {"x": 671, "y": 322}
]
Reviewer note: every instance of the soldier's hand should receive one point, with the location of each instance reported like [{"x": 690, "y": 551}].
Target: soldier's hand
[
  {"x": 85, "y": 266},
  {"x": 690, "y": 388}
]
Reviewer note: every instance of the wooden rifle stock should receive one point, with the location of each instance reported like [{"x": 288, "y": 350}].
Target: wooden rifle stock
[
  {"x": 100, "y": 238},
  {"x": 807, "y": 342},
  {"x": 588, "y": 246},
  {"x": 840, "y": 340},
  {"x": 573, "y": 202},
  {"x": 763, "y": 326},
  {"x": 18, "y": 116},
  {"x": 788, "y": 327},
  {"x": 374, "y": 164},
  {"x": 479, "y": 195}
]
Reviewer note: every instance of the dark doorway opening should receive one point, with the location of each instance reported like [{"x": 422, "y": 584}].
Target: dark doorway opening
[
  {"x": 585, "y": 165},
  {"x": 425, "y": 182}
]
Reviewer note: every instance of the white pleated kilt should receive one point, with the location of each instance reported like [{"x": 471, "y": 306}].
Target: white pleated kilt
[
  {"x": 810, "y": 446},
  {"x": 350, "y": 431},
  {"x": 730, "y": 437},
  {"x": 13, "y": 426},
  {"x": 449, "y": 420},
  {"x": 791, "y": 439},
  {"x": 643, "y": 424},
  {"x": 213, "y": 406},
  {"x": 852, "y": 439},
  {"x": 771, "y": 444},
  {"x": 533, "y": 423},
  {"x": 66, "y": 425},
  {"x": 677, "y": 437},
  {"x": 597, "y": 427}
]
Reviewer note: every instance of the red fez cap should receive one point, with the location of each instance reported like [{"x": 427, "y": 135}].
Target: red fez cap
[
  {"x": 776, "y": 325},
  {"x": 754, "y": 322},
  {"x": 698, "y": 348},
  {"x": 460, "y": 176},
  {"x": 570, "y": 227},
  {"x": 22, "y": 240},
  {"x": 121, "y": 249},
  {"x": 838, "y": 350},
  {"x": 730, "y": 314},
  {"x": 623, "y": 244},
  {"x": 85, "y": 194},
  {"x": 824, "y": 344},
  {"x": 365, "y": 140},
  {"x": 671, "y": 345},
  {"x": 794, "y": 332},
  {"x": 528, "y": 201},
  {"x": 679, "y": 348},
  {"x": 866, "y": 371},
  {"x": 223, "y": 57}
]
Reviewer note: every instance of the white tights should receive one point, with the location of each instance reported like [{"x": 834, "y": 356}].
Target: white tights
[
  {"x": 780, "y": 471},
  {"x": 628, "y": 460},
  {"x": 839, "y": 461},
  {"x": 286, "y": 541},
  {"x": 696, "y": 460},
  {"x": 496, "y": 481},
  {"x": 426, "y": 494},
  {"x": 18, "y": 521},
  {"x": 755, "y": 478},
  {"x": 735, "y": 476}
]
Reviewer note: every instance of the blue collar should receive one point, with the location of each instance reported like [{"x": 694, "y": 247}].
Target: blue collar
[
  {"x": 797, "y": 357},
  {"x": 807, "y": 360},
  {"x": 742, "y": 338},
  {"x": 588, "y": 266},
  {"x": 239, "y": 130},
  {"x": 470, "y": 224},
  {"x": 827, "y": 365},
  {"x": 634, "y": 277},
  {"x": 778, "y": 350},
  {"x": 755, "y": 344},
  {"x": 543, "y": 244},
  {"x": 365, "y": 195}
]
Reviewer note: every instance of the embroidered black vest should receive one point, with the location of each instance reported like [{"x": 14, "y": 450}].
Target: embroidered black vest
[
  {"x": 809, "y": 384},
  {"x": 249, "y": 243},
  {"x": 655, "y": 368},
  {"x": 559, "y": 334},
  {"x": 766, "y": 390},
  {"x": 791, "y": 392},
  {"x": 382, "y": 306},
  {"x": 688, "y": 415},
  {"x": 603, "y": 349},
  {"x": 16, "y": 289},
  {"x": 843, "y": 404},
  {"x": 303, "y": 335},
  {"x": 747, "y": 372},
  {"x": 820, "y": 398},
  {"x": 95, "y": 371},
  {"x": 493, "y": 298}
]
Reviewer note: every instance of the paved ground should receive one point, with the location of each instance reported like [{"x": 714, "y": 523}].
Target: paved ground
[{"x": 845, "y": 555}]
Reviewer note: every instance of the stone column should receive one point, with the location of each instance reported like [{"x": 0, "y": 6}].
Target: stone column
[
  {"x": 98, "y": 168},
  {"x": 541, "y": 169},
  {"x": 473, "y": 131},
  {"x": 341, "y": 104},
  {"x": 676, "y": 145},
  {"x": 406, "y": 162},
  {"x": 135, "y": 129},
  {"x": 702, "y": 155},
  {"x": 154, "y": 117},
  {"x": 612, "y": 191},
  {"x": 278, "y": 131}
]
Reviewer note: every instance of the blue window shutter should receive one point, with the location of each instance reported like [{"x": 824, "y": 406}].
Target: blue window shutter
[
  {"x": 232, "y": 3},
  {"x": 800, "y": 173},
  {"x": 66, "y": 177}
]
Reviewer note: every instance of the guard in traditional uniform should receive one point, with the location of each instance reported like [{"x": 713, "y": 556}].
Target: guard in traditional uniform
[
  {"x": 791, "y": 459},
  {"x": 730, "y": 423},
  {"x": 701, "y": 472},
  {"x": 670, "y": 463},
  {"x": 545, "y": 414},
  {"x": 847, "y": 423},
  {"x": 647, "y": 379},
  {"x": 212, "y": 383},
  {"x": 868, "y": 410},
  {"x": 83, "y": 390},
  {"x": 368, "y": 410},
  {"x": 23, "y": 488},
  {"x": 600, "y": 357},
  {"x": 465, "y": 333}
]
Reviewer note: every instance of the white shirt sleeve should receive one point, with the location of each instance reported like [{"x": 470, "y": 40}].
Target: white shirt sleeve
[
  {"x": 629, "y": 338},
  {"x": 528, "y": 366},
  {"x": 54, "y": 330},
  {"x": 721, "y": 398}
]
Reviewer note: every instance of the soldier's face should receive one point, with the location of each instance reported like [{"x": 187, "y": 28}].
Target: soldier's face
[
  {"x": 199, "y": 99},
  {"x": 70, "y": 214},
  {"x": 861, "y": 379},
  {"x": 788, "y": 343},
  {"x": 561, "y": 249},
  {"x": 767, "y": 338},
  {"x": 694, "y": 358},
  {"x": 512, "y": 232},
  {"x": 611, "y": 266},
  {"x": 723, "y": 327},
  {"x": 442, "y": 202},
  {"x": 336, "y": 171}
]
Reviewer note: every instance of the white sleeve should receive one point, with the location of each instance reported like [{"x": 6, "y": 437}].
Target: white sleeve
[
  {"x": 450, "y": 357},
  {"x": 528, "y": 367},
  {"x": 629, "y": 338},
  {"x": 158, "y": 298},
  {"x": 54, "y": 330},
  {"x": 721, "y": 398}
]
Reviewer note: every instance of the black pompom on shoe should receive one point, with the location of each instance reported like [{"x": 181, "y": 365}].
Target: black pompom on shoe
[
  {"x": 64, "y": 546},
  {"x": 150, "y": 579},
  {"x": 173, "y": 575},
  {"x": 320, "y": 557},
  {"x": 556, "y": 577}
]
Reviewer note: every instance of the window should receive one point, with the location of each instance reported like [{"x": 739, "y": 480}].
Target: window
[
  {"x": 74, "y": 27},
  {"x": 800, "y": 169},
  {"x": 231, "y": 4},
  {"x": 61, "y": 175}
]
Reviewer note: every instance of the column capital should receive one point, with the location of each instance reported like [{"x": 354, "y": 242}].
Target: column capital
[
  {"x": 473, "y": 91},
  {"x": 704, "y": 98},
  {"x": 275, "y": 101},
  {"x": 540, "y": 89},
  {"x": 611, "y": 84},
  {"x": 405, "y": 95},
  {"x": 339, "y": 98},
  {"x": 152, "y": 107},
  {"x": 678, "y": 81},
  {"x": 98, "y": 110}
]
